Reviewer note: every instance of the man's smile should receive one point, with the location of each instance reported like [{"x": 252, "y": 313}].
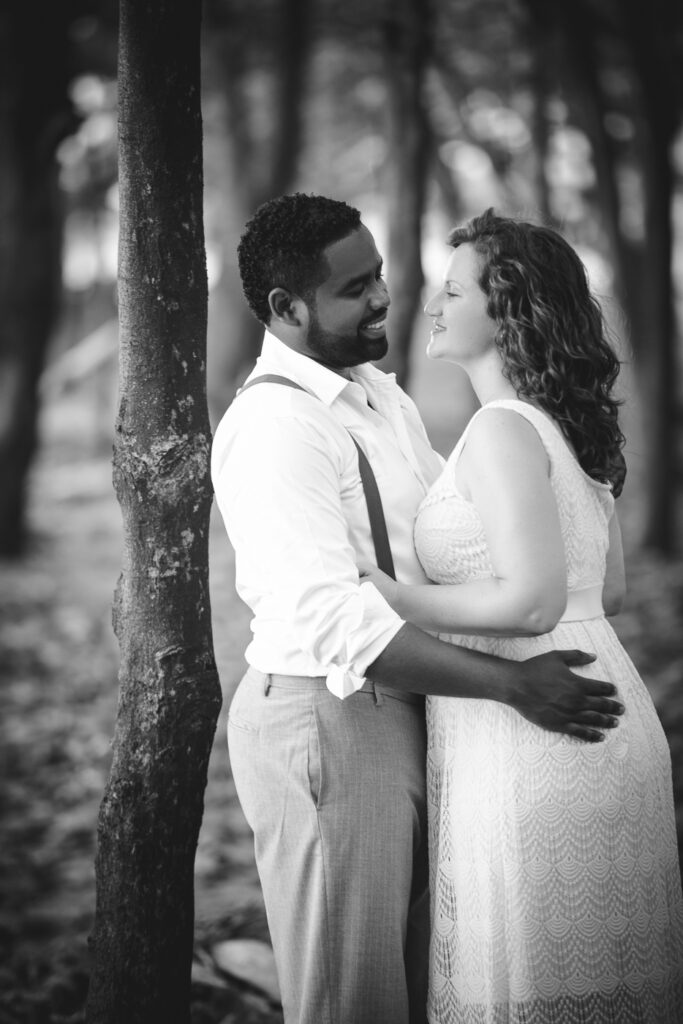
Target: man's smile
[{"x": 377, "y": 325}]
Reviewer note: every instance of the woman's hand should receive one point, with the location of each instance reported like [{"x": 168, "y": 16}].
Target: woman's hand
[{"x": 388, "y": 588}]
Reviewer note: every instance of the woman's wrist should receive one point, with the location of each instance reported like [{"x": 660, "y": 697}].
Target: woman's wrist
[{"x": 398, "y": 600}]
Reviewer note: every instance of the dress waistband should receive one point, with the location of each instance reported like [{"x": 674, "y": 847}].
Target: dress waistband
[
  {"x": 583, "y": 604},
  {"x": 285, "y": 682}
]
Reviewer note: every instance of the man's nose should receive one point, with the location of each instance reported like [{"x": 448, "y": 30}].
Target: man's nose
[{"x": 380, "y": 294}]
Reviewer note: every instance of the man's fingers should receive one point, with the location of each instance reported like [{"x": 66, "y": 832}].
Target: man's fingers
[
  {"x": 588, "y": 703},
  {"x": 593, "y": 687},
  {"x": 604, "y": 705},
  {"x": 597, "y": 698},
  {"x": 582, "y": 732},
  {"x": 600, "y": 721},
  {"x": 576, "y": 657}
]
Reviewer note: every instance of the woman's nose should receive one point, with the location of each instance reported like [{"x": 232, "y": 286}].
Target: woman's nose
[{"x": 433, "y": 307}]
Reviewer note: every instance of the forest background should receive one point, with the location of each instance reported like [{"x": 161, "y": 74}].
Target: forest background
[{"x": 420, "y": 114}]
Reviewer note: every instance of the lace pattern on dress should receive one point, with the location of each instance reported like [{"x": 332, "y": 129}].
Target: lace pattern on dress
[{"x": 555, "y": 884}]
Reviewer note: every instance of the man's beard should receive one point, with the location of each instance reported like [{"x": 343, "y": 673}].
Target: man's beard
[{"x": 340, "y": 351}]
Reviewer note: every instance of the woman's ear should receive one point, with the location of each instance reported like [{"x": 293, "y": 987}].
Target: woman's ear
[{"x": 286, "y": 307}]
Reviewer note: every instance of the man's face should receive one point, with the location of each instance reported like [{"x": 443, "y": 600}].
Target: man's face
[{"x": 348, "y": 313}]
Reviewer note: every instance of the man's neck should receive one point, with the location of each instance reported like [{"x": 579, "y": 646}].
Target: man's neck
[{"x": 295, "y": 346}]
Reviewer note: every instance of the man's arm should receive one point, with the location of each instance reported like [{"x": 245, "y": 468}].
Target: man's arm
[
  {"x": 279, "y": 494},
  {"x": 542, "y": 689},
  {"x": 278, "y": 484}
]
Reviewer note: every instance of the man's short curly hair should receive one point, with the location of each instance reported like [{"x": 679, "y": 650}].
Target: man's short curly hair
[{"x": 283, "y": 243}]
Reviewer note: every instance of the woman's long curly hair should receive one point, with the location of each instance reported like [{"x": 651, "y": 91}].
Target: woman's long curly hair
[{"x": 551, "y": 335}]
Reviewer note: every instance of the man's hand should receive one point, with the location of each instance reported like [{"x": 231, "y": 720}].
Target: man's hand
[
  {"x": 549, "y": 694},
  {"x": 542, "y": 689}
]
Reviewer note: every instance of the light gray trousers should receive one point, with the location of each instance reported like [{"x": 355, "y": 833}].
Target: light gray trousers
[{"x": 334, "y": 792}]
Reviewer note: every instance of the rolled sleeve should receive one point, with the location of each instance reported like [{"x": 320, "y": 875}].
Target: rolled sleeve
[
  {"x": 278, "y": 488},
  {"x": 345, "y": 679}
]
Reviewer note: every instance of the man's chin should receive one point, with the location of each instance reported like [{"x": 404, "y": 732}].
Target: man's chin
[
  {"x": 368, "y": 350},
  {"x": 342, "y": 352},
  {"x": 377, "y": 348}
]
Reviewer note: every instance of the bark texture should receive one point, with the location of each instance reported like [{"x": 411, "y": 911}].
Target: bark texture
[{"x": 169, "y": 693}]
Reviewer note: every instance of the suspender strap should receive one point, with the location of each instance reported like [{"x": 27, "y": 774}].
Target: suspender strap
[{"x": 378, "y": 526}]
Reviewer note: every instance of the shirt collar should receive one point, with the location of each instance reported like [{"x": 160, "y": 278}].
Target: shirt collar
[
  {"x": 370, "y": 378},
  {"x": 380, "y": 388},
  {"x": 323, "y": 382}
]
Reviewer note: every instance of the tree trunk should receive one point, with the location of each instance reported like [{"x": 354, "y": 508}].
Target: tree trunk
[
  {"x": 650, "y": 34},
  {"x": 569, "y": 32},
  {"x": 541, "y": 85},
  {"x": 446, "y": 189},
  {"x": 659, "y": 360},
  {"x": 169, "y": 693},
  {"x": 35, "y": 114},
  {"x": 406, "y": 48},
  {"x": 256, "y": 170},
  {"x": 646, "y": 40}
]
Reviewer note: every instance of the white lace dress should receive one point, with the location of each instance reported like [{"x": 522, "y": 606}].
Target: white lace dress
[{"x": 556, "y": 894}]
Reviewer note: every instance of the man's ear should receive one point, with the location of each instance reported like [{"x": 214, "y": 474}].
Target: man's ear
[{"x": 287, "y": 307}]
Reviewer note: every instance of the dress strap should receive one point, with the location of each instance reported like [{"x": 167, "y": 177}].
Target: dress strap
[{"x": 543, "y": 423}]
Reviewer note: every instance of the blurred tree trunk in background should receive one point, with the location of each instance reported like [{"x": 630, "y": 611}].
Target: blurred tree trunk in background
[
  {"x": 169, "y": 693},
  {"x": 651, "y": 31},
  {"x": 541, "y": 83},
  {"x": 258, "y": 168},
  {"x": 584, "y": 68},
  {"x": 636, "y": 42},
  {"x": 35, "y": 115},
  {"x": 406, "y": 45},
  {"x": 447, "y": 191}
]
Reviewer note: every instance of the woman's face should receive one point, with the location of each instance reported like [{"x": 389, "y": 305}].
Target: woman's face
[{"x": 462, "y": 330}]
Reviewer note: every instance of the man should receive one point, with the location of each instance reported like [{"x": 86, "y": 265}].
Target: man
[{"x": 326, "y": 730}]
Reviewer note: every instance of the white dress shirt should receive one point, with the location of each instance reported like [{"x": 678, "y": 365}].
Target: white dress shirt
[{"x": 285, "y": 472}]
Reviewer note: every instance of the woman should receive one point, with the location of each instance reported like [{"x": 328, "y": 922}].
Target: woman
[{"x": 555, "y": 885}]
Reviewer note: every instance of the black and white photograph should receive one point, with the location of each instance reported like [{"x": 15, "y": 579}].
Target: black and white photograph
[{"x": 341, "y": 495}]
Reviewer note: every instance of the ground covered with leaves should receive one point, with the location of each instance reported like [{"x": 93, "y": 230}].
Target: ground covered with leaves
[{"x": 58, "y": 665}]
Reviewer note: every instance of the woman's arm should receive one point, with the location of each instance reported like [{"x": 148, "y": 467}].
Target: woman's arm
[
  {"x": 504, "y": 471},
  {"x": 614, "y": 591}
]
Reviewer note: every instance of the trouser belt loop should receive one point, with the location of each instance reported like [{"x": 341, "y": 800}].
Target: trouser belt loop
[
  {"x": 379, "y": 697},
  {"x": 267, "y": 683}
]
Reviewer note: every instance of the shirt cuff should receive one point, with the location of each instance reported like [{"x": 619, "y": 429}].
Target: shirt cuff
[
  {"x": 342, "y": 681},
  {"x": 346, "y": 679}
]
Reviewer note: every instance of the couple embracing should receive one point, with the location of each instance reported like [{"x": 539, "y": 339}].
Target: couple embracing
[{"x": 505, "y": 851}]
